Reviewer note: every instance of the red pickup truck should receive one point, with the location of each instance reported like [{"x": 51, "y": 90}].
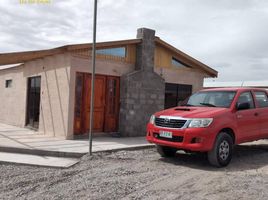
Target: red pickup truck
[{"x": 212, "y": 121}]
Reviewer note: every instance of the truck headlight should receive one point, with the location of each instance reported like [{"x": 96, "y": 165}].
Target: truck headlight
[
  {"x": 200, "y": 122},
  {"x": 152, "y": 119}
]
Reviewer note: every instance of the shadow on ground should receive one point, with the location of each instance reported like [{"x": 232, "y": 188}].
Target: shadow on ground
[{"x": 245, "y": 157}]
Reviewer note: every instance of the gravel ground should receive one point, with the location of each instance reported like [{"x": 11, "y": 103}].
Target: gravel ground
[{"x": 142, "y": 174}]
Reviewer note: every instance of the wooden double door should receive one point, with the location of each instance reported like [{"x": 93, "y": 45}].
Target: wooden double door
[{"x": 106, "y": 103}]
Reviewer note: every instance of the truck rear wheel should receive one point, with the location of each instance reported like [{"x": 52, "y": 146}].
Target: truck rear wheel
[
  {"x": 221, "y": 154},
  {"x": 166, "y": 151}
]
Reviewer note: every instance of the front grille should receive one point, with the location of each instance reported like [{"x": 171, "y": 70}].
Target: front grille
[
  {"x": 173, "y": 139},
  {"x": 170, "y": 123}
]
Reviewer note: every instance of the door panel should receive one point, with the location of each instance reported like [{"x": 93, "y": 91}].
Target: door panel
[
  {"x": 99, "y": 103},
  {"x": 86, "y": 103},
  {"x": 106, "y": 103},
  {"x": 33, "y": 102},
  {"x": 248, "y": 124},
  {"x": 247, "y": 120},
  {"x": 262, "y": 111},
  {"x": 78, "y": 103},
  {"x": 112, "y": 105},
  {"x": 263, "y": 116}
]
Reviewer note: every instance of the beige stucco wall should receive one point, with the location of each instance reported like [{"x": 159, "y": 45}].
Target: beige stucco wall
[
  {"x": 55, "y": 83},
  {"x": 13, "y": 100},
  {"x": 186, "y": 76},
  {"x": 103, "y": 67},
  {"x": 58, "y": 88}
]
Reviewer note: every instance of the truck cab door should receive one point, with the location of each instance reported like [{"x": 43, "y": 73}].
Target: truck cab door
[
  {"x": 247, "y": 118},
  {"x": 262, "y": 107}
]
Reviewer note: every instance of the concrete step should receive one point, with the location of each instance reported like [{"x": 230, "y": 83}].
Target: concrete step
[
  {"x": 41, "y": 152},
  {"x": 37, "y": 160}
]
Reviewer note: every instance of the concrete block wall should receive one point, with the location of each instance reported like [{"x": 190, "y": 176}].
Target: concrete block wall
[{"x": 142, "y": 91}]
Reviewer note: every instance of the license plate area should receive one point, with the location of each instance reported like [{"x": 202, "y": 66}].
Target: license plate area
[{"x": 165, "y": 134}]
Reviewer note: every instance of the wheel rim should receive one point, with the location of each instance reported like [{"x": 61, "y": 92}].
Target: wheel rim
[{"x": 224, "y": 150}]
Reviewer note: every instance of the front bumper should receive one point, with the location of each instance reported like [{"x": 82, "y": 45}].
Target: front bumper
[{"x": 191, "y": 139}]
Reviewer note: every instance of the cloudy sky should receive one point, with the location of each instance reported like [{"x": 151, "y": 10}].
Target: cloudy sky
[{"x": 228, "y": 35}]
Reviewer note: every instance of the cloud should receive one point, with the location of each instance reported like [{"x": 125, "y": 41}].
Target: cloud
[{"x": 227, "y": 35}]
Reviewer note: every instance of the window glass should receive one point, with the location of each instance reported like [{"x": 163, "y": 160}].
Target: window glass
[
  {"x": 246, "y": 97},
  {"x": 8, "y": 83},
  {"x": 212, "y": 99},
  {"x": 175, "y": 62},
  {"x": 176, "y": 93},
  {"x": 111, "y": 96},
  {"x": 171, "y": 95},
  {"x": 78, "y": 94},
  {"x": 261, "y": 98},
  {"x": 120, "y": 51}
]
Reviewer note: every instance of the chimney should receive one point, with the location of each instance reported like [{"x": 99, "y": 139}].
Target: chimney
[{"x": 145, "y": 50}]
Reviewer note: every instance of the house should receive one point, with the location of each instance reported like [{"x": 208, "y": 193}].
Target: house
[{"x": 49, "y": 90}]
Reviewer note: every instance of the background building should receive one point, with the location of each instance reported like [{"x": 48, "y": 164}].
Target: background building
[{"x": 49, "y": 90}]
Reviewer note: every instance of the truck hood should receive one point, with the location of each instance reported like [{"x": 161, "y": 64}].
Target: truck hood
[{"x": 192, "y": 112}]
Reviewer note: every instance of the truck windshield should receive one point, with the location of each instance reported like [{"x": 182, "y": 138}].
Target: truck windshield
[{"x": 212, "y": 99}]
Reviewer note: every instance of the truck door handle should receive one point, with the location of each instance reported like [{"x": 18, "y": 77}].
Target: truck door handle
[{"x": 256, "y": 114}]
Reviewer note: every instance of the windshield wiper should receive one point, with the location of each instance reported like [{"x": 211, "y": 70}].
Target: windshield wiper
[
  {"x": 187, "y": 105},
  {"x": 207, "y": 104}
]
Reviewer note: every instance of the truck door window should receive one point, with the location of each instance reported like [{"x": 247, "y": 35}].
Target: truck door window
[
  {"x": 261, "y": 98},
  {"x": 246, "y": 97}
]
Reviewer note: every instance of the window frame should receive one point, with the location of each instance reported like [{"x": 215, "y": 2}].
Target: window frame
[
  {"x": 110, "y": 49},
  {"x": 209, "y": 95},
  {"x": 182, "y": 64},
  {"x": 8, "y": 83},
  {"x": 177, "y": 90},
  {"x": 252, "y": 97},
  {"x": 256, "y": 99}
]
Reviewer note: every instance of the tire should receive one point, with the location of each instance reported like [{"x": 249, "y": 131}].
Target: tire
[
  {"x": 221, "y": 154},
  {"x": 166, "y": 151}
]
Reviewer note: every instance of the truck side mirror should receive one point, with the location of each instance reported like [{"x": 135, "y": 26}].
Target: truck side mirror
[{"x": 242, "y": 106}]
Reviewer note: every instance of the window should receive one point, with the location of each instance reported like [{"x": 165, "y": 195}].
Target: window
[
  {"x": 78, "y": 94},
  {"x": 33, "y": 104},
  {"x": 262, "y": 99},
  {"x": 175, "y": 93},
  {"x": 175, "y": 62},
  {"x": 111, "y": 86},
  {"x": 120, "y": 51},
  {"x": 246, "y": 97},
  {"x": 221, "y": 99},
  {"x": 8, "y": 83}
]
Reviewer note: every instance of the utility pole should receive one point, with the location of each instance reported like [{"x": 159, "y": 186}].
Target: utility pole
[{"x": 93, "y": 77}]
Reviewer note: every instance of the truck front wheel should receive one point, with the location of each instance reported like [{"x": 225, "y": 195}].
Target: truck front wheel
[
  {"x": 221, "y": 154},
  {"x": 166, "y": 151}
]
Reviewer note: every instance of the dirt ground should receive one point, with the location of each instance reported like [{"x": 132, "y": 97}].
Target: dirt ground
[{"x": 142, "y": 174}]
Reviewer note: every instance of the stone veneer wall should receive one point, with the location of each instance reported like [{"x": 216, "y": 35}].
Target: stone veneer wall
[{"x": 142, "y": 92}]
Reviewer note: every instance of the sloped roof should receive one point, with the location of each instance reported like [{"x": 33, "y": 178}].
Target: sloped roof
[
  {"x": 21, "y": 57},
  {"x": 193, "y": 61}
]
